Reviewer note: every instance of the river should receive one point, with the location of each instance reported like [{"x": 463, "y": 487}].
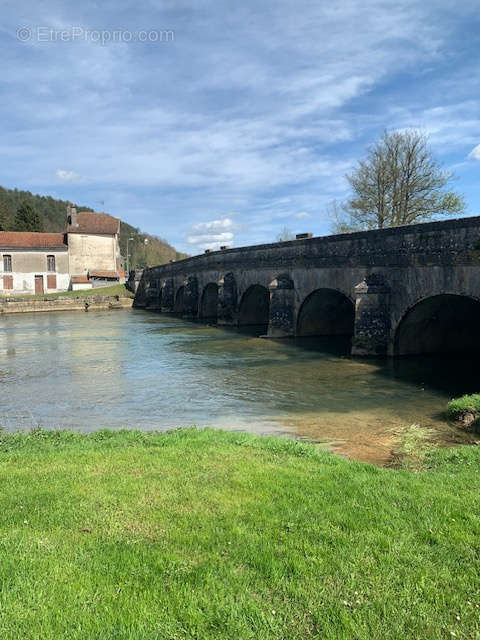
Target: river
[{"x": 135, "y": 369}]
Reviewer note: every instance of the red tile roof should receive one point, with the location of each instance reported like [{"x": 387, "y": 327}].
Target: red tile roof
[
  {"x": 89, "y": 222},
  {"x": 80, "y": 280},
  {"x": 103, "y": 274},
  {"x": 30, "y": 239}
]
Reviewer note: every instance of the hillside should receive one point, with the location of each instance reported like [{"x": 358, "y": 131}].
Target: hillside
[{"x": 53, "y": 214}]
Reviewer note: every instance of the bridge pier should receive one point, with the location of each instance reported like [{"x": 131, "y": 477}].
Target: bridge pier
[
  {"x": 168, "y": 296},
  {"x": 190, "y": 298},
  {"x": 372, "y": 317},
  {"x": 227, "y": 301},
  {"x": 282, "y": 308}
]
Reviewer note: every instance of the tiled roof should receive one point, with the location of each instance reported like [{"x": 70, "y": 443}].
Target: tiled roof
[
  {"x": 89, "y": 222},
  {"x": 80, "y": 280},
  {"x": 30, "y": 239},
  {"x": 103, "y": 274}
]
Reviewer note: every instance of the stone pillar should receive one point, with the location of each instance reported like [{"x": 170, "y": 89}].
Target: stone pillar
[
  {"x": 282, "y": 308},
  {"x": 190, "y": 297},
  {"x": 168, "y": 296},
  {"x": 227, "y": 300},
  {"x": 153, "y": 295},
  {"x": 372, "y": 317},
  {"x": 140, "y": 299}
]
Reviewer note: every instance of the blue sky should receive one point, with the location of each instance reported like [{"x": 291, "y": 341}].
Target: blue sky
[{"x": 240, "y": 122}]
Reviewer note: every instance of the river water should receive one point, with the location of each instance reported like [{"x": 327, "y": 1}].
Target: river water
[{"x": 137, "y": 369}]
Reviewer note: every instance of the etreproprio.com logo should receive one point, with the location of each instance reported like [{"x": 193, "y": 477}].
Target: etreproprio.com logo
[{"x": 98, "y": 36}]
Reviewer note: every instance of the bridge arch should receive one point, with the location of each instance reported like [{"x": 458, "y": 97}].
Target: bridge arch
[
  {"x": 326, "y": 312},
  {"x": 254, "y": 307},
  {"x": 179, "y": 305},
  {"x": 443, "y": 323},
  {"x": 209, "y": 302}
]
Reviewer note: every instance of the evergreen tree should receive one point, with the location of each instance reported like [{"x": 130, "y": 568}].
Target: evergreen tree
[
  {"x": 3, "y": 217},
  {"x": 27, "y": 219}
]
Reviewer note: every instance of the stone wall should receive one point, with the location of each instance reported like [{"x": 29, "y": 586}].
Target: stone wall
[{"x": 67, "y": 303}]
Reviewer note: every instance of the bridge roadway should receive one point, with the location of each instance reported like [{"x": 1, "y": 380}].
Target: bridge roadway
[{"x": 398, "y": 291}]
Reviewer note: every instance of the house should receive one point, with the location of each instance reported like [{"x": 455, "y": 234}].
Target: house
[
  {"x": 94, "y": 247},
  {"x": 33, "y": 262},
  {"x": 87, "y": 255}
]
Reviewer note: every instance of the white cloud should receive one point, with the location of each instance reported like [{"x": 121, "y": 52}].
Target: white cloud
[
  {"x": 213, "y": 225},
  {"x": 67, "y": 176},
  {"x": 302, "y": 214},
  {"x": 220, "y": 123},
  {"x": 212, "y": 234},
  {"x": 475, "y": 153}
]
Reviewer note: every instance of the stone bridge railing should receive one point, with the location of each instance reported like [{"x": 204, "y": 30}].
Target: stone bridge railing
[{"x": 383, "y": 287}]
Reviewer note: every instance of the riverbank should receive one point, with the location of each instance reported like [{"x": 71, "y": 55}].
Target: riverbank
[
  {"x": 211, "y": 534},
  {"x": 100, "y": 299}
]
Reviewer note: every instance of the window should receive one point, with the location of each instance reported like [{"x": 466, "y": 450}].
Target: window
[
  {"x": 7, "y": 263},
  {"x": 51, "y": 263},
  {"x": 8, "y": 282}
]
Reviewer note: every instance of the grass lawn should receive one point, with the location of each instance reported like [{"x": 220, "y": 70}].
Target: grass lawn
[
  {"x": 210, "y": 534},
  {"x": 113, "y": 290}
]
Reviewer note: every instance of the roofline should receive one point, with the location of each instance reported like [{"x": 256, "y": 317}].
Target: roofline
[
  {"x": 49, "y": 247},
  {"x": 91, "y": 233}
]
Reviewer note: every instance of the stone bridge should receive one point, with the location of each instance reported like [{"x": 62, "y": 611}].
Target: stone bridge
[{"x": 404, "y": 290}]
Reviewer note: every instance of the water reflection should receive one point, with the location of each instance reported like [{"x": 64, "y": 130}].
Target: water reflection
[{"x": 143, "y": 370}]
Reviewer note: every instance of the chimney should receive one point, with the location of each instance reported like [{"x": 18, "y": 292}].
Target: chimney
[
  {"x": 71, "y": 215},
  {"x": 303, "y": 236}
]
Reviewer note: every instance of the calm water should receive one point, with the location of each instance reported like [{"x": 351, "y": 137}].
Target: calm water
[{"x": 142, "y": 370}]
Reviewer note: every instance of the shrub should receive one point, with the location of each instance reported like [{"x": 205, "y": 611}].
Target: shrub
[{"x": 458, "y": 407}]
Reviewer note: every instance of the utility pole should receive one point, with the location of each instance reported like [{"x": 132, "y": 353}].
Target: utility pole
[{"x": 128, "y": 258}]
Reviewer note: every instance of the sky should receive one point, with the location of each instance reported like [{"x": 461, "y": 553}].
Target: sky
[{"x": 221, "y": 123}]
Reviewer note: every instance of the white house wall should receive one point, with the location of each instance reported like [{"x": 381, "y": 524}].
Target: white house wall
[
  {"x": 89, "y": 252},
  {"x": 28, "y": 263},
  {"x": 25, "y": 282}
]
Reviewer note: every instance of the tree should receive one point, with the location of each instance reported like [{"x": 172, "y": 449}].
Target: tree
[
  {"x": 3, "y": 217},
  {"x": 27, "y": 219},
  {"x": 398, "y": 183},
  {"x": 285, "y": 234}
]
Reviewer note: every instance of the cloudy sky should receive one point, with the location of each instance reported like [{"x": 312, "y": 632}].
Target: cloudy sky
[{"x": 211, "y": 122}]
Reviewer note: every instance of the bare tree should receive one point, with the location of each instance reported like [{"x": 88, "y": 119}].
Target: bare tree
[
  {"x": 398, "y": 183},
  {"x": 285, "y": 234}
]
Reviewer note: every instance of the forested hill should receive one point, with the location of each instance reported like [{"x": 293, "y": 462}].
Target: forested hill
[{"x": 53, "y": 215}]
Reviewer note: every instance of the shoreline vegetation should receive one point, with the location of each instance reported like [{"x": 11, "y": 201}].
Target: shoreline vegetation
[
  {"x": 213, "y": 534},
  {"x": 112, "y": 290}
]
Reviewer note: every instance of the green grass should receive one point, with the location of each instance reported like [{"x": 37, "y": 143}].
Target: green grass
[
  {"x": 414, "y": 445},
  {"x": 209, "y": 535},
  {"x": 113, "y": 290},
  {"x": 466, "y": 404}
]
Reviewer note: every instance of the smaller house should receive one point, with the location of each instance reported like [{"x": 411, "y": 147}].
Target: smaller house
[
  {"x": 94, "y": 246},
  {"x": 80, "y": 283},
  {"x": 33, "y": 262}
]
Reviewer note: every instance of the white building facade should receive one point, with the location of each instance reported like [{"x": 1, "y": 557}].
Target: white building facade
[
  {"x": 86, "y": 256},
  {"x": 33, "y": 263}
]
